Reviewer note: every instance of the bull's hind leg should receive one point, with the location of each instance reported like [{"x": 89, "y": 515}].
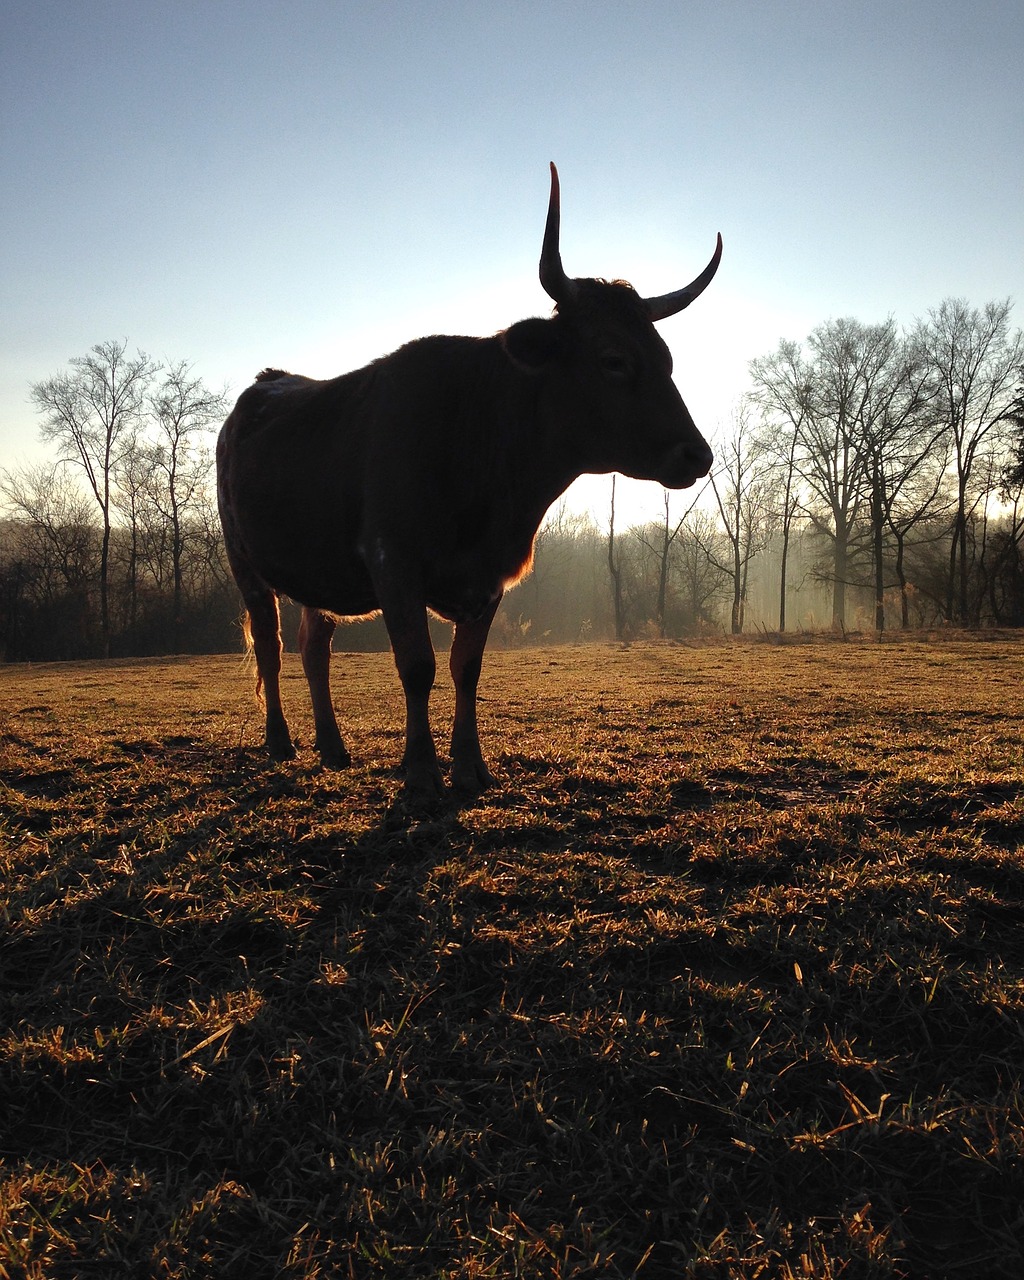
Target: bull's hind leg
[
  {"x": 315, "y": 632},
  {"x": 265, "y": 633},
  {"x": 469, "y": 772}
]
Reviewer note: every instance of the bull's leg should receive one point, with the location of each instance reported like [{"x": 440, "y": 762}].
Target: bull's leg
[
  {"x": 265, "y": 631},
  {"x": 315, "y": 631},
  {"x": 414, "y": 658},
  {"x": 469, "y": 772}
]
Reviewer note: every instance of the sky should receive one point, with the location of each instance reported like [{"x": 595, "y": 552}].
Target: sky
[{"x": 310, "y": 184}]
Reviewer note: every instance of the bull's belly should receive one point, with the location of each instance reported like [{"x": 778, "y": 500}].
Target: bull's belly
[
  {"x": 351, "y": 598},
  {"x": 463, "y": 587},
  {"x": 465, "y": 610},
  {"x": 464, "y": 597},
  {"x": 344, "y": 590},
  {"x": 312, "y": 563}
]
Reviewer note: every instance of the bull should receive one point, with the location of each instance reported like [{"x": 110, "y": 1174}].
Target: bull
[{"x": 418, "y": 484}]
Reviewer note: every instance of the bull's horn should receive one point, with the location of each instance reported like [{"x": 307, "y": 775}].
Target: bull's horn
[
  {"x": 668, "y": 304},
  {"x": 555, "y": 283}
]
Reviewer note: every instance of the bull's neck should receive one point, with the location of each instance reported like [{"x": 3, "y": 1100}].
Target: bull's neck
[{"x": 539, "y": 471}]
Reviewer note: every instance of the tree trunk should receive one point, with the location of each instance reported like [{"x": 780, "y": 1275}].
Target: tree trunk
[
  {"x": 659, "y": 608},
  {"x": 878, "y": 549},
  {"x": 840, "y": 564},
  {"x": 615, "y": 572},
  {"x": 177, "y": 552},
  {"x": 737, "y": 589},
  {"x": 105, "y": 588},
  {"x": 901, "y": 577}
]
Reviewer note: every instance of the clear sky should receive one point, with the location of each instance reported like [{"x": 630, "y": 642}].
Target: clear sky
[{"x": 310, "y": 183}]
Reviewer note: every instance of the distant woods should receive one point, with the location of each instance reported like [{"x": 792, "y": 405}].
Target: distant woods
[
  {"x": 114, "y": 547},
  {"x": 871, "y": 476},
  {"x": 896, "y": 451}
]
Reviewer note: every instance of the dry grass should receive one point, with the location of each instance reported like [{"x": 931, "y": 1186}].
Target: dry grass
[{"x": 725, "y": 979}]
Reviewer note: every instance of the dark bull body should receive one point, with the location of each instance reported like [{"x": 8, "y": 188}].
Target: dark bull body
[{"x": 419, "y": 483}]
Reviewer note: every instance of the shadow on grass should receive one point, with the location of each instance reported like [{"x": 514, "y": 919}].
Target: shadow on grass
[{"x": 285, "y": 1014}]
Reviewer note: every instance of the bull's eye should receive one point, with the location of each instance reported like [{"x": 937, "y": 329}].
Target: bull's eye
[{"x": 617, "y": 366}]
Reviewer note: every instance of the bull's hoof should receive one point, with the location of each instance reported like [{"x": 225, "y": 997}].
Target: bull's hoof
[
  {"x": 423, "y": 788},
  {"x": 471, "y": 776},
  {"x": 282, "y": 750},
  {"x": 331, "y": 748}
]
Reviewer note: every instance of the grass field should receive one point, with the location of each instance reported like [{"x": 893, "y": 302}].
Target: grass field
[{"x": 725, "y": 978}]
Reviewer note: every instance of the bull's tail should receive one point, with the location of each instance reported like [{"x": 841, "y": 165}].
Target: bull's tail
[{"x": 249, "y": 657}]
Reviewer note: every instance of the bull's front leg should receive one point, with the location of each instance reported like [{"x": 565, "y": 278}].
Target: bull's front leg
[
  {"x": 414, "y": 657},
  {"x": 469, "y": 771}
]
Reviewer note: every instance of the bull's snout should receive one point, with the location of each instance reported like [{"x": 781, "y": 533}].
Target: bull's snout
[{"x": 686, "y": 464}]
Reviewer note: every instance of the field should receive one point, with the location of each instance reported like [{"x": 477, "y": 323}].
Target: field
[{"x": 725, "y": 978}]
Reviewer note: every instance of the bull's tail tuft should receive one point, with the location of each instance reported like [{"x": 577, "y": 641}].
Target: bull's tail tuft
[{"x": 249, "y": 657}]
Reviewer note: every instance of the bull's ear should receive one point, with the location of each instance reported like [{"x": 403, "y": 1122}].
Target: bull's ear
[{"x": 533, "y": 344}]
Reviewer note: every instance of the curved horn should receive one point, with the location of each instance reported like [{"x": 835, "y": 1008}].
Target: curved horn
[
  {"x": 669, "y": 303},
  {"x": 555, "y": 283}
]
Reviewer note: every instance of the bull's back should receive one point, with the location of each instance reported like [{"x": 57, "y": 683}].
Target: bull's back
[
  {"x": 406, "y": 454},
  {"x": 290, "y": 484}
]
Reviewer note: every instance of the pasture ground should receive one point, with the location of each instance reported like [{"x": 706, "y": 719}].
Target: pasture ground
[{"x": 726, "y": 978}]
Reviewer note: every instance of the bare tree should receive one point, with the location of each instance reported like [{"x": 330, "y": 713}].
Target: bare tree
[
  {"x": 698, "y": 554},
  {"x": 615, "y": 572},
  {"x": 659, "y": 539},
  {"x": 1014, "y": 417},
  {"x": 818, "y": 398},
  {"x": 182, "y": 408},
  {"x": 746, "y": 489},
  {"x": 132, "y": 478},
  {"x": 916, "y": 503},
  {"x": 566, "y": 592},
  {"x": 60, "y": 520},
  {"x": 848, "y": 357},
  {"x": 854, "y": 419},
  {"x": 975, "y": 358},
  {"x": 777, "y": 440},
  {"x": 1006, "y": 574},
  {"x": 50, "y": 557},
  {"x": 92, "y": 414},
  {"x": 900, "y": 438}
]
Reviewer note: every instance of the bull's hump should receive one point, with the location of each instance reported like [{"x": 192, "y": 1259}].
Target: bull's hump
[
  {"x": 273, "y": 392},
  {"x": 272, "y": 381}
]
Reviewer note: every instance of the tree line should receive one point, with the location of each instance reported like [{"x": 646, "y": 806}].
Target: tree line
[
  {"x": 114, "y": 547},
  {"x": 896, "y": 447},
  {"x": 870, "y": 476}
]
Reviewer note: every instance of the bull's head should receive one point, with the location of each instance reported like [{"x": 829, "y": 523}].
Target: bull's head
[{"x": 610, "y": 371}]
